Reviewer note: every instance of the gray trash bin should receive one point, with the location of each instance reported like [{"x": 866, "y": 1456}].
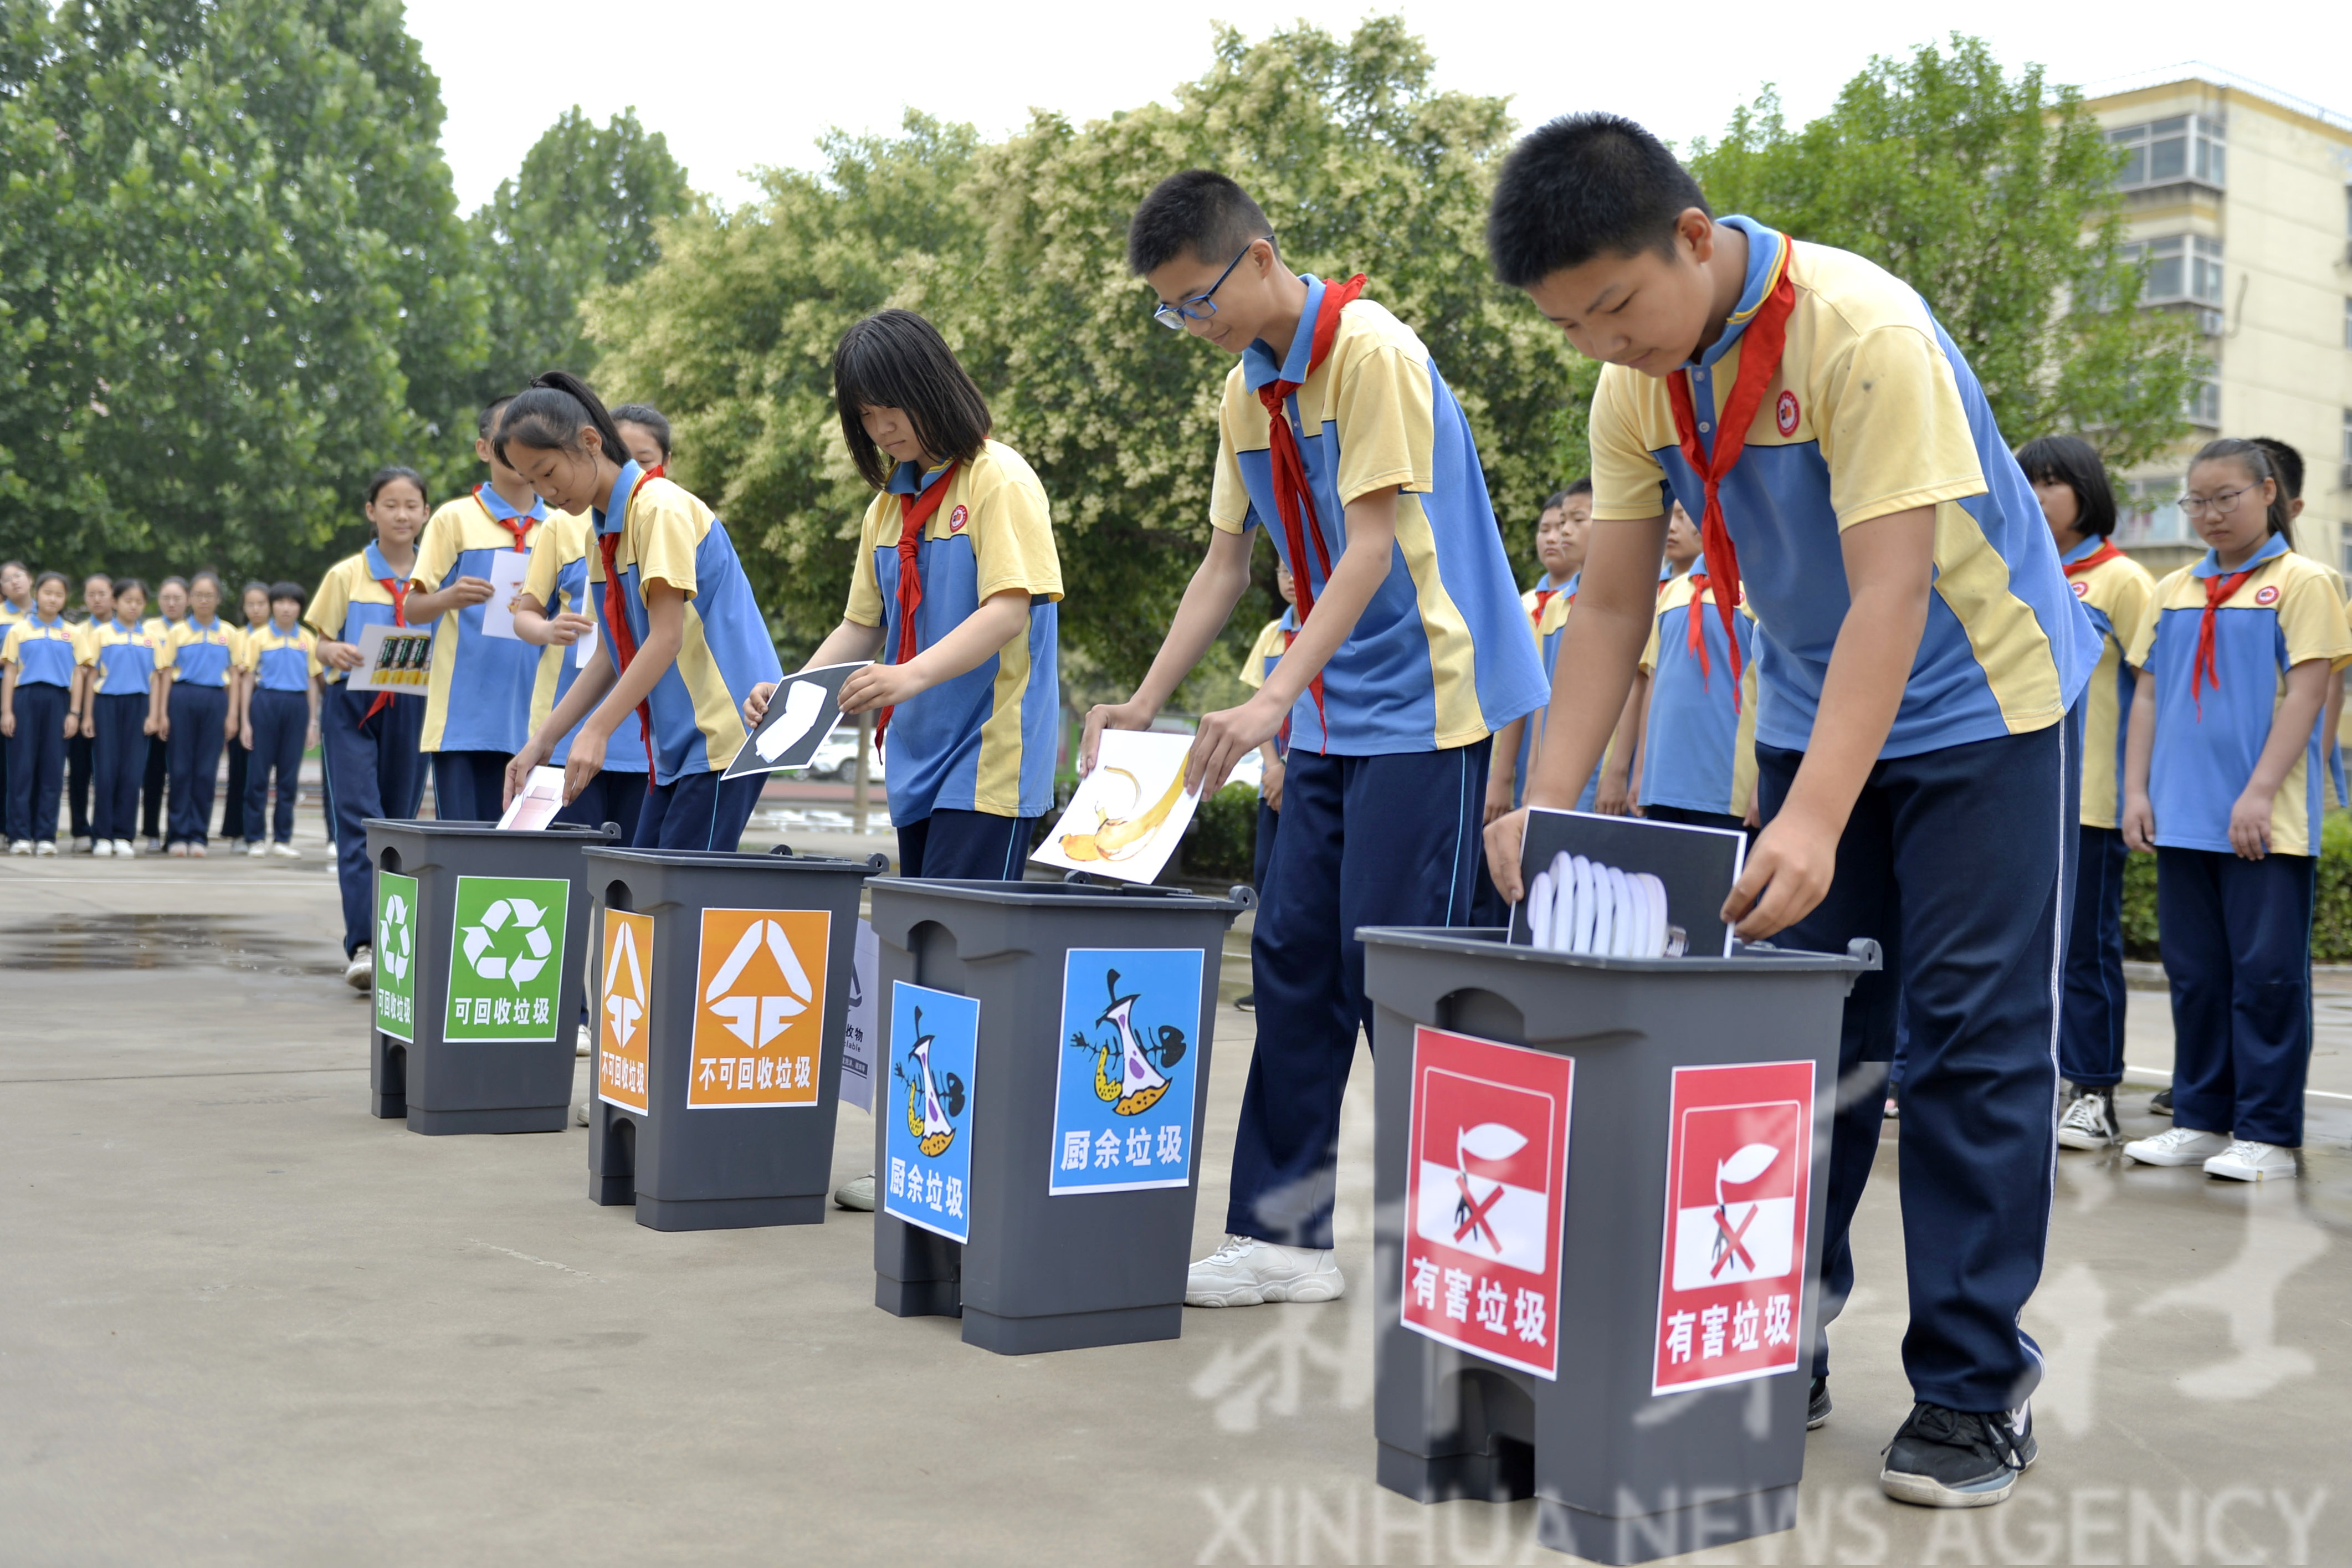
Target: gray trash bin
[
  {"x": 1598, "y": 1231},
  {"x": 480, "y": 935},
  {"x": 720, "y": 988},
  {"x": 1037, "y": 1104}
]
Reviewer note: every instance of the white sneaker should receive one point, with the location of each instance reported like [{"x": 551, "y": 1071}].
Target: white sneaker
[
  {"x": 360, "y": 972},
  {"x": 2247, "y": 1160},
  {"x": 256, "y": 849},
  {"x": 584, "y": 1045},
  {"x": 857, "y": 1193},
  {"x": 21, "y": 847},
  {"x": 2089, "y": 1122},
  {"x": 286, "y": 851},
  {"x": 582, "y": 1112},
  {"x": 44, "y": 847},
  {"x": 125, "y": 849},
  {"x": 85, "y": 847},
  {"x": 101, "y": 847},
  {"x": 1247, "y": 1272},
  {"x": 2175, "y": 1146}
]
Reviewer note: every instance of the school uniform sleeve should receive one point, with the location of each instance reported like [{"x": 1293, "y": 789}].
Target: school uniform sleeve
[
  {"x": 1012, "y": 542},
  {"x": 1268, "y": 644},
  {"x": 1629, "y": 484},
  {"x": 1230, "y": 506},
  {"x": 1892, "y": 428},
  {"x": 2135, "y": 602},
  {"x": 85, "y": 644},
  {"x": 546, "y": 563},
  {"x": 9, "y": 643},
  {"x": 311, "y": 654},
  {"x": 2140, "y": 647},
  {"x": 667, "y": 532},
  {"x": 331, "y": 602},
  {"x": 167, "y": 652},
  {"x": 437, "y": 552},
  {"x": 1386, "y": 410},
  {"x": 2311, "y": 619},
  {"x": 865, "y": 605}
]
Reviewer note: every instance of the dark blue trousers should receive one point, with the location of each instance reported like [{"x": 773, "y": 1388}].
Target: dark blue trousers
[
  {"x": 372, "y": 768},
  {"x": 191, "y": 757},
  {"x": 2091, "y": 1023},
  {"x": 1365, "y": 841},
  {"x": 78, "y": 781},
  {"x": 2236, "y": 936},
  {"x": 469, "y": 786},
  {"x": 153, "y": 785},
  {"x": 118, "y": 761},
  {"x": 233, "y": 805},
  {"x": 610, "y": 796},
  {"x": 965, "y": 846},
  {"x": 36, "y": 764},
  {"x": 281, "y": 722},
  {"x": 1269, "y": 823},
  {"x": 698, "y": 811},
  {"x": 1958, "y": 862}
]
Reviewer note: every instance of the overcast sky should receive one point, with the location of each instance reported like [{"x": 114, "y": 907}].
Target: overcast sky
[{"x": 735, "y": 85}]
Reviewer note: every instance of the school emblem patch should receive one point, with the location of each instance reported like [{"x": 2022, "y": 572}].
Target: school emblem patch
[
  {"x": 2082, "y": 589},
  {"x": 958, "y": 518},
  {"x": 1784, "y": 412},
  {"x": 2266, "y": 595}
]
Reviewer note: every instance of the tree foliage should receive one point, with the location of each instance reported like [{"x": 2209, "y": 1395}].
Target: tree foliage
[{"x": 1994, "y": 197}]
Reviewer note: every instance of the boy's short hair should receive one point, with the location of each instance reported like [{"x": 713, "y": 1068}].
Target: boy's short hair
[
  {"x": 286, "y": 591},
  {"x": 2073, "y": 462},
  {"x": 1580, "y": 485},
  {"x": 1198, "y": 210},
  {"x": 2285, "y": 462},
  {"x": 1583, "y": 186}
]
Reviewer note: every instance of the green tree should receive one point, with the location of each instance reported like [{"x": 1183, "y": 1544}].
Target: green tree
[
  {"x": 582, "y": 212},
  {"x": 1994, "y": 197}
]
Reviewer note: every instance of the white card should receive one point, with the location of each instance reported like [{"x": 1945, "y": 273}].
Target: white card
[
  {"x": 508, "y": 569},
  {"x": 542, "y": 798},
  {"x": 1129, "y": 814},
  {"x": 585, "y": 648}
]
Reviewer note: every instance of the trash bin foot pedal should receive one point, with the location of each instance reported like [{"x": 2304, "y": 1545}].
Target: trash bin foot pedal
[
  {"x": 1506, "y": 1475},
  {"x": 517, "y": 1119},
  {"x": 919, "y": 1297},
  {"x": 1710, "y": 1519},
  {"x": 612, "y": 1192},
  {"x": 728, "y": 1213},
  {"x": 387, "y": 1107},
  {"x": 1071, "y": 1331}
]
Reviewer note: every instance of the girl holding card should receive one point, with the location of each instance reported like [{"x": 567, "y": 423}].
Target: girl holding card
[{"x": 555, "y": 611}]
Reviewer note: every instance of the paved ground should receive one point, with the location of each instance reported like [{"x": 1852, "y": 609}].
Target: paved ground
[{"x": 240, "y": 1321}]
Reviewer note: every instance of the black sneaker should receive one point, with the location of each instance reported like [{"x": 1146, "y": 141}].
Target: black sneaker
[
  {"x": 1246, "y": 1002},
  {"x": 2161, "y": 1105},
  {"x": 1817, "y": 1408},
  {"x": 1957, "y": 1458}
]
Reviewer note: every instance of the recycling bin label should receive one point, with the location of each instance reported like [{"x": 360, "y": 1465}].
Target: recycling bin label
[
  {"x": 506, "y": 958},
  {"x": 934, "y": 1044},
  {"x": 1738, "y": 1188},
  {"x": 759, "y": 1008},
  {"x": 394, "y": 952},
  {"x": 1123, "y": 1093},
  {"x": 623, "y": 995},
  {"x": 1485, "y": 1188}
]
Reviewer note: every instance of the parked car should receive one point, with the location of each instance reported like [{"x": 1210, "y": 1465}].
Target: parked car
[{"x": 836, "y": 757}]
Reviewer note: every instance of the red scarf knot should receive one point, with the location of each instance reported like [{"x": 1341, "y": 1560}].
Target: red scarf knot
[
  {"x": 616, "y": 618},
  {"x": 2099, "y": 557},
  {"x": 2206, "y": 667},
  {"x": 519, "y": 524}
]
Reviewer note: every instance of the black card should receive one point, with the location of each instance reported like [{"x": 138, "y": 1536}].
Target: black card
[
  {"x": 801, "y": 713},
  {"x": 1626, "y": 884}
]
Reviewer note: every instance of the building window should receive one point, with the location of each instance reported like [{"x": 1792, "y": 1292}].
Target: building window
[
  {"x": 2163, "y": 152},
  {"x": 2205, "y": 403},
  {"x": 2348, "y": 322},
  {"x": 2181, "y": 268},
  {"x": 2151, "y": 514}
]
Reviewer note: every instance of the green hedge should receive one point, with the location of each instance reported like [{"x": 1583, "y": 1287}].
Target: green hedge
[
  {"x": 1224, "y": 840},
  {"x": 2331, "y": 922}
]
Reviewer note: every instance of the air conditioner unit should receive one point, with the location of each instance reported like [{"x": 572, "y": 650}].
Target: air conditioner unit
[{"x": 2209, "y": 324}]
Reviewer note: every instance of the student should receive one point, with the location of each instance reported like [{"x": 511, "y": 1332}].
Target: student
[
  {"x": 194, "y": 667},
  {"x": 478, "y": 706},
  {"x": 254, "y": 602},
  {"x": 685, "y": 632},
  {"x": 645, "y": 432},
  {"x": 38, "y": 679},
  {"x": 1392, "y": 690},
  {"x": 2070, "y": 479},
  {"x": 1560, "y": 544},
  {"x": 98, "y": 608},
  {"x": 1273, "y": 640},
  {"x": 1684, "y": 546},
  {"x": 281, "y": 717},
  {"x": 1548, "y": 606},
  {"x": 16, "y": 605},
  {"x": 121, "y": 712},
  {"x": 1918, "y": 654},
  {"x": 172, "y": 608},
  {"x": 368, "y": 741},
  {"x": 2286, "y": 464},
  {"x": 968, "y": 681},
  {"x": 2221, "y": 780},
  {"x": 1699, "y": 727}
]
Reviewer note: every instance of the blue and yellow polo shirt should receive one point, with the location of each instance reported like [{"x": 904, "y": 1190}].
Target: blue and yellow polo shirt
[
  {"x": 559, "y": 581},
  {"x": 10, "y": 615},
  {"x": 1436, "y": 660},
  {"x": 198, "y": 653},
  {"x": 1272, "y": 642},
  {"x": 122, "y": 654},
  {"x": 1872, "y": 411},
  {"x": 2288, "y": 612},
  {"x": 669, "y": 536},
  {"x": 987, "y": 740},
  {"x": 1698, "y": 747},
  {"x": 2116, "y": 594},
  {"x": 350, "y": 595},
  {"x": 493, "y": 678},
  {"x": 281, "y": 661},
  {"x": 1549, "y": 629},
  {"x": 44, "y": 652}
]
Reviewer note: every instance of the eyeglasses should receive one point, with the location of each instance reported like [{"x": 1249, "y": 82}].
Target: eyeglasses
[
  {"x": 1173, "y": 317},
  {"x": 2221, "y": 505}
]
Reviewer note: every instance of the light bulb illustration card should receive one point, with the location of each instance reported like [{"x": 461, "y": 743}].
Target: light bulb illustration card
[
  {"x": 1623, "y": 886},
  {"x": 801, "y": 713},
  {"x": 1129, "y": 814}
]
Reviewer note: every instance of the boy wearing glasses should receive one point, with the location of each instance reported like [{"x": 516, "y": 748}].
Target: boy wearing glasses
[{"x": 1336, "y": 433}]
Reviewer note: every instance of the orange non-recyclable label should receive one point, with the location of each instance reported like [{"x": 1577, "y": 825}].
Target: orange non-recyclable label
[
  {"x": 759, "y": 1008},
  {"x": 624, "y": 997}
]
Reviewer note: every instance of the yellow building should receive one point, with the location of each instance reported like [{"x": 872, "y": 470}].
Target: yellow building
[{"x": 2240, "y": 200}]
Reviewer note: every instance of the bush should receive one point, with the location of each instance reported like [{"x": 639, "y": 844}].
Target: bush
[
  {"x": 1224, "y": 842},
  {"x": 2331, "y": 917}
]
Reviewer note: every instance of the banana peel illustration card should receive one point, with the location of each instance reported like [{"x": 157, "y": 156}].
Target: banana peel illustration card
[{"x": 1129, "y": 814}]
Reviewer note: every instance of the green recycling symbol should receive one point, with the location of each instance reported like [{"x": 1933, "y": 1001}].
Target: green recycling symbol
[
  {"x": 501, "y": 922},
  {"x": 506, "y": 958},
  {"x": 395, "y": 946}
]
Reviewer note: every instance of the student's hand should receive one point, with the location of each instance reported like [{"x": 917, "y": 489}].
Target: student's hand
[
  {"x": 89, "y": 724},
  {"x": 1504, "y": 835},
  {"x": 470, "y": 591},
  {"x": 2139, "y": 825},
  {"x": 568, "y": 627},
  {"x": 8, "y": 725},
  {"x": 228, "y": 728},
  {"x": 755, "y": 707},
  {"x": 1499, "y": 796},
  {"x": 1271, "y": 789},
  {"x": 1613, "y": 798},
  {"x": 1226, "y": 737},
  {"x": 881, "y": 686},
  {"x": 536, "y": 751},
  {"x": 160, "y": 726},
  {"x": 1131, "y": 714},
  {"x": 583, "y": 762},
  {"x": 72, "y": 724},
  {"x": 245, "y": 737},
  {"x": 2250, "y": 824},
  {"x": 339, "y": 655},
  {"x": 1755, "y": 817},
  {"x": 1787, "y": 875},
  {"x": 312, "y": 741}
]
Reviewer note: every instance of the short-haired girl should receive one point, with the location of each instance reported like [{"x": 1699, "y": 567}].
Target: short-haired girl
[
  {"x": 282, "y": 721},
  {"x": 121, "y": 716},
  {"x": 36, "y": 680}
]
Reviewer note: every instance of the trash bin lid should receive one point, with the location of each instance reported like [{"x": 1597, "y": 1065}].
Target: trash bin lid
[
  {"x": 432, "y": 829},
  {"x": 1862, "y": 954},
  {"x": 777, "y": 859},
  {"x": 1070, "y": 895}
]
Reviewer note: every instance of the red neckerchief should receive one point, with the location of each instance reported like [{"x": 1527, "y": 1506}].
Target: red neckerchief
[
  {"x": 616, "y": 619},
  {"x": 398, "y": 588},
  {"x": 1292, "y": 498},
  {"x": 519, "y": 524},
  {"x": 1282, "y": 736},
  {"x": 658, "y": 472},
  {"x": 2206, "y": 667},
  {"x": 914, "y": 512},
  {"x": 1695, "y": 629},
  {"x": 2099, "y": 557},
  {"x": 1759, "y": 358},
  {"x": 1543, "y": 598}
]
